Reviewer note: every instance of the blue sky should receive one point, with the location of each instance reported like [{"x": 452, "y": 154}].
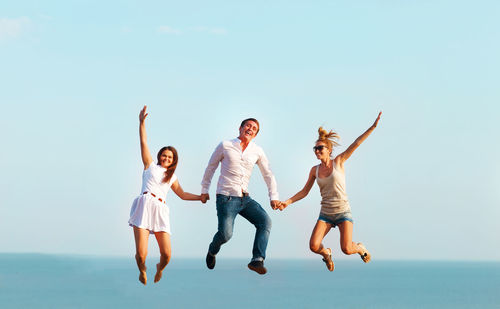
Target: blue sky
[{"x": 74, "y": 76}]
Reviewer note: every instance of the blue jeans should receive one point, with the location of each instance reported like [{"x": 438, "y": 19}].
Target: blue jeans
[{"x": 227, "y": 209}]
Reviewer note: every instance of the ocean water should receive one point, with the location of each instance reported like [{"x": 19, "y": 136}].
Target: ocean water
[{"x": 55, "y": 281}]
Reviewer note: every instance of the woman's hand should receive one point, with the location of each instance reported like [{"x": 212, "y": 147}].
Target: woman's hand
[
  {"x": 143, "y": 114},
  {"x": 284, "y": 204},
  {"x": 376, "y": 120},
  {"x": 341, "y": 158}
]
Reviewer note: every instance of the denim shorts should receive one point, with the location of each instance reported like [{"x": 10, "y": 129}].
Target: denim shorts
[{"x": 335, "y": 219}]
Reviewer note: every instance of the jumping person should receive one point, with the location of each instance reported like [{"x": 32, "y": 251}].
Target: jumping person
[
  {"x": 149, "y": 213},
  {"x": 335, "y": 208},
  {"x": 237, "y": 158}
]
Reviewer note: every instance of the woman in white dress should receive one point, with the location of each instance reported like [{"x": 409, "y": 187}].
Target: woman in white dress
[
  {"x": 335, "y": 208},
  {"x": 149, "y": 213}
]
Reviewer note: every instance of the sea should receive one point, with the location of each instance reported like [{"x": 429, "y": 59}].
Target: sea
[{"x": 65, "y": 281}]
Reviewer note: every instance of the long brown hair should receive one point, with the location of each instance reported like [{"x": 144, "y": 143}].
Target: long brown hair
[{"x": 171, "y": 169}]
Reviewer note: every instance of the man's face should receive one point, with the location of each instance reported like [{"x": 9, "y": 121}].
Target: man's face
[{"x": 249, "y": 130}]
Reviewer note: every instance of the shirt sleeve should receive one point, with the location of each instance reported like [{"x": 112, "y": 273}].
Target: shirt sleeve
[
  {"x": 213, "y": 163},
  {"x": 269, "y": 178}
]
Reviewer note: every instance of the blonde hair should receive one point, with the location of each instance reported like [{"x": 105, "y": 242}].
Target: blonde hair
[{"x": 329, "y": 138}]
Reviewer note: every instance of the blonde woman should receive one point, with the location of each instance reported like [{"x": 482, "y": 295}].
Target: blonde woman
[
  {"x": 335, "y": 208},
  {"x": 149, "y": 213}
]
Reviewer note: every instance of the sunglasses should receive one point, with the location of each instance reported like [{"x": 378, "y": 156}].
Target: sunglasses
[{"x": 319, "y": 148}]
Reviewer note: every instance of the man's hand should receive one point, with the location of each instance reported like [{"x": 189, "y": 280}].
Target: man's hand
[
  {"x": 204, "y": 197},
  {"x": 275, "y": 204}
]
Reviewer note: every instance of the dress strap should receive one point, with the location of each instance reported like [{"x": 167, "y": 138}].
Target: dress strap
[{"x": 317, "y": 171}]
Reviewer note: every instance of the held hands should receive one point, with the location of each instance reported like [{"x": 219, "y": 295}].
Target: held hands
[
  {"x": 143, "y": 114},
  {"x": 204, "y": 197},
  {"x": 280, "y": 205},
  {"x": 284, "y": 204},
  {"x": 275, "y": 204}
]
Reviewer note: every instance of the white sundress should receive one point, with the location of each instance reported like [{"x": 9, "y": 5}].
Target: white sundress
[{"x": 147, "y": 211}]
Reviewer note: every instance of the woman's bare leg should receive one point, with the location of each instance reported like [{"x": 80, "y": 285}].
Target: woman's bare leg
[
  {"x": 141, "y": 251},
  {"x": 315, "y": 243},
  {"x": 165, "y": 253},
  {"x": 348, "y": 246},
  {"x": 319, "y": 232}
]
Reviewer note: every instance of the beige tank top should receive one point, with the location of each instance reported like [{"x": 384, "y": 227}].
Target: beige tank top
[{"x": 333, "y": 196}]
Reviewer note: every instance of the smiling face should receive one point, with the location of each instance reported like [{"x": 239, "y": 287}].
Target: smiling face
[
  {"x": 321, "y": 151},
  {"x": 166, "y": 158},
  {"x": 248, "y": 130}
]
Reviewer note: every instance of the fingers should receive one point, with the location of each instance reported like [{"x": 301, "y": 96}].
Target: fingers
[
  {"x": 204, "y": 197},
  {"x": 144, "y": 110},
  {"x": 280, "y": 205},
  {"x": 378, "y": 118},
  {"x": 143, "y": 114}
]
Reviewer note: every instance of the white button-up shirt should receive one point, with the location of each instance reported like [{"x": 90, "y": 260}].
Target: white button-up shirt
[{"x": 236, "y": 169}]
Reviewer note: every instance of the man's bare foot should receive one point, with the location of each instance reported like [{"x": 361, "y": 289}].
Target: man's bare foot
[
  {"x": 159, "y": 273},
  {"x": 142, "y": 277}
]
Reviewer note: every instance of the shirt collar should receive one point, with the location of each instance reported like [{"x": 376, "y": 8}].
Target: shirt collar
[{"x": 237, "y": 140}]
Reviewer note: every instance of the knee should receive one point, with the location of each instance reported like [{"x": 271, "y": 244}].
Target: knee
[
  {"x": 141, "y": 257},
  {"x": 315, "y": 247},
  {"x": 226, "y": 236},
  {"x": 265, "y": 224},
  {"x": 165, "y": 256},
  {"x": 348, "y": 249},
  {"x": 268, "y": 224}
]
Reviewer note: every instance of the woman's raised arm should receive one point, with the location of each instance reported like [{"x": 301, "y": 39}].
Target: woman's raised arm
[
  {"x": 348, "y": 152},
  {"x": 145, "y": 154}
]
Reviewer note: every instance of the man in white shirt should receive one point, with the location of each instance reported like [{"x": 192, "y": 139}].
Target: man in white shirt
[{"x": 237, "y": 158}]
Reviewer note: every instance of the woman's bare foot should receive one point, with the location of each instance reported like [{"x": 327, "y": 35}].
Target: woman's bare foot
[
  {"x": 159, "y": 273},
  {"x": 142, "y": 277}
]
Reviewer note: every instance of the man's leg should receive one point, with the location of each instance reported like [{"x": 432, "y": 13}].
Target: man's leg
[
  {"x": 227, "y": 209},
  {"x": 254, "y": 213}
]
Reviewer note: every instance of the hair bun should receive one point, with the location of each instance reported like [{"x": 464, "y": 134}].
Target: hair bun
[{"x": 329, "y": 137}]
